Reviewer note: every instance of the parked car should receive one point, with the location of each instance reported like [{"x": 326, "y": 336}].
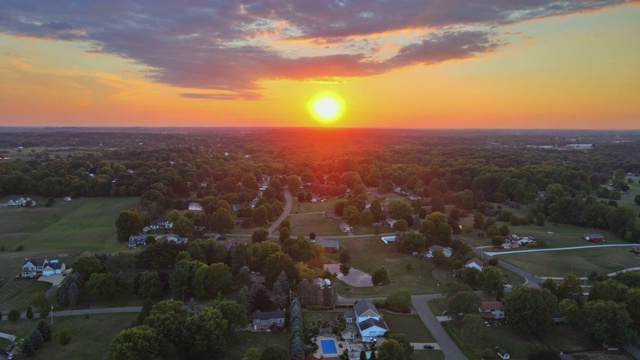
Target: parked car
[{"x": 428, "y": 347}]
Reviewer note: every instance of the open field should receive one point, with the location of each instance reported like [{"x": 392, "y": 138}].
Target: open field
[
  {"x": 90, "y": 336},
  {"x": 579, "y": 261},
  {"x": 309, "y": 207},
  {"x": 409, "y": 325},
  {"x": 369, "y": 254},
  {"x": 59, "y": 232},
  {"x": 239, "y": 343},
  {"x": 305, "y": 224},
  {"x": 627, "y": 199}
]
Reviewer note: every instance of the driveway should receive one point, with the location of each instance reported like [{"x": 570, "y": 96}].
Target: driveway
[
  {"x": 287, "y": 209},
  {"x": 448, "y": 347}
]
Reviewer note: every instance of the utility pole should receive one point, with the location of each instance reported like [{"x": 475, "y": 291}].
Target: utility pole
[{"x": 51, "y": 312}]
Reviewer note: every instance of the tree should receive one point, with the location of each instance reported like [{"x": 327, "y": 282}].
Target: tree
[
  {"x": 174, "y": 215},
  {"x": 345, "y": 257},
  {"x": 222, "y": 221},
  {"x": 492, "y": 279},
  {"x": 274, "y": 352},
  {"x": 281, "y": 291},
  {"x": 73, "y": 294},
  {"x": 184, "y": 226},
  {"x": 259, "y": 235},
  {"x": 30, "y": 314},
  {"x": 399, "y": 209},
  {"x": 530, "y": 309},
  {"x": 405, "y": 344},
  {"x": 399, "y": 301},
  {"x": 400, "y": 225},
  {"x": 64, "y": 338},
  {"x": 473, "y": 327},
  {"x": 45, "y": 330},
  {"x": 412, "y": 241},
  {"x": 205, "y": 333},
  {"x": 380, "y": 276},
  {"x": 252, "y": 354},
  {"x": 540, "y": 219},
  {"x": 212, "y": 279},
  {"x": 128, "y": 223},
  {"x": 260, "y": 215},
  {"x": 478, "y": 220},
  {"x": 637, "y": 199},
  {"x": 391, "y": 350},
  {"x": 569, "y": 288},
  {"x": 27, "y": 347},
  {"x": 461, "y": 303},
  {"x": 607, "y": 322},
  {"x": 13, "y": 315},
  {"x": 86, "y": 265},
  {"x": 36, "y": 338},
  {"x": 139, "y": 342},
  {"x": 436, "y": 229},
  {"x": 366, "y": 217},
  {"x": 150, "y": 285},
  {"x": 351, "y": 215},
  {"x": 284, "y": 235},
  {"x": 609, "y": 289},
  {"x": 376, "y": 209},
  {"x": 106, "y": 286},
  {"x": 293, "y": 182},
  {"x": 235, "y": 314}
]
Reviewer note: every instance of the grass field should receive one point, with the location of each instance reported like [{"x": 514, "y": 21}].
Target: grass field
[
  {"x": 239, "y": 343},
  {"x": 59, "y": 232},
  {"x": 90, "y": 337},
  {"x": 409, "y": 325},
  {"x": 369, "y": 254},
  {"x": 305, "y": 224},
  {"x": 579, "y": 262},
  {"x": 321, "y": 316}
]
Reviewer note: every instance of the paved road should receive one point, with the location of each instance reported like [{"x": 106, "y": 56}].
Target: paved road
[
  {"x": 449, "y": 348},
  {"x": 530, "y": 279},
  {"x": 287, "y": 209}
]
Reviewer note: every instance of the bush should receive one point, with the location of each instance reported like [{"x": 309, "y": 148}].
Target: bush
[
  {"x": 30, "y": 316},
  {"x": 64, "y": 338},
  {"x": 13, "y": 315}
]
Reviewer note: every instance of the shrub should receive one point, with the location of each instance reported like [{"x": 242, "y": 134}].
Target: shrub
[{"x": 13, "y": 315}]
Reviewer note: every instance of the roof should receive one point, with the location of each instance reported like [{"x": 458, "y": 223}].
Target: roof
[
  {"x": 267, "y": 315},
  {"x": 36, "y": 262},
  {"x": 491, "y": 305},
  {"x": 436, "y": 247},
  {"x": 370, "y": 322},
  {"x": 474, "y": 261},
  {"x": 349, "y": 314},
  {"x": 327, "y": 243},
  {"x": 362, "y": 305},
  {"x": 56, "y": 265}
]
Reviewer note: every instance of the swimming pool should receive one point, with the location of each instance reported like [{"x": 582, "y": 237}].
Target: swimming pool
[
  {"x": 388, "y": 239},
  {"x": 328, "y": 347}
]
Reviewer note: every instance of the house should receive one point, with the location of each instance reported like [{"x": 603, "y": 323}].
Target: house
[
  {"x": 330, "y": 215},
  {"x": 594, "y": 237},
  {"x": 137, "y": 240},
  {"x": 161, "y": 224},
  {"x": 267, "y": 320},
  {"x": 503, "y": 354},
  {"x": 33, "y": 267},
  {"x": 474, "y": 263},
  {"x": 390, "y": 221},
  {"x": 368, "y": 320},
  {"x": 329, "y": 245},
  {"x": 67, "y": 198},
  {"x": 492, "y": 310},
  {"x": 350, "y": 316},
  {"x": 446, "y": 251},
  {"x": 53, "y": 267}
]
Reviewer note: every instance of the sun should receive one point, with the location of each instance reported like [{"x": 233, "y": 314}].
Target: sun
[{"x": 326, "y": 107}]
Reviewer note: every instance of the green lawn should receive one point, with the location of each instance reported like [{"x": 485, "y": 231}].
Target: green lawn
[
  {"x": 239, "y": 343},
  {"x": 18, "y": 294},
  {"x": 409, "y": 325},
  {"x": 321, "y": 316},
  {"x": 579, "y": 262},
  {"x": 90, "y": 336},
  {"x": 305, "y": 224},
  {"x": 369, "y": 254}
]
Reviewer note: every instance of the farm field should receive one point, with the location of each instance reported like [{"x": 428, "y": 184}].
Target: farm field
[
  {"x": 579, "y": 261},
  {"x": 369, "y": 254},
  {"x": 90, "y": 336}
]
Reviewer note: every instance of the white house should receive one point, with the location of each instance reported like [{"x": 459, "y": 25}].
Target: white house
[
  {"x": 503, "y": 354},
  {"x": 446, "y": 251},
  {"x": 368, "y": 320},
  {"x": 474, "y": 263},
  {"x": 41, "y": 267}
]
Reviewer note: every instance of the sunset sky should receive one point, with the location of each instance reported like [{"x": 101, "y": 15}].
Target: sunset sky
[{"x": 394, "y": 64}]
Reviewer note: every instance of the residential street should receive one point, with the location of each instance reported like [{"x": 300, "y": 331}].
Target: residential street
[
  {"x": 449, "y": 348},
  {"x": 287, "y": 209}
]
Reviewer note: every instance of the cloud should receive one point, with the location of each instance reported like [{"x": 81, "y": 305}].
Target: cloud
[{"x": 232, "y": 46}]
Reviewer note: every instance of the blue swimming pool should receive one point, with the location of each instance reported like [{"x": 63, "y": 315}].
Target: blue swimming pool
[{"x": 328, "y": 347}]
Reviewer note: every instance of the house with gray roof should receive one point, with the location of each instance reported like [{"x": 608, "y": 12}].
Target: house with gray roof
[
  {"x": 368, "y": 319},
  {"x": 265, "y": 320}
]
